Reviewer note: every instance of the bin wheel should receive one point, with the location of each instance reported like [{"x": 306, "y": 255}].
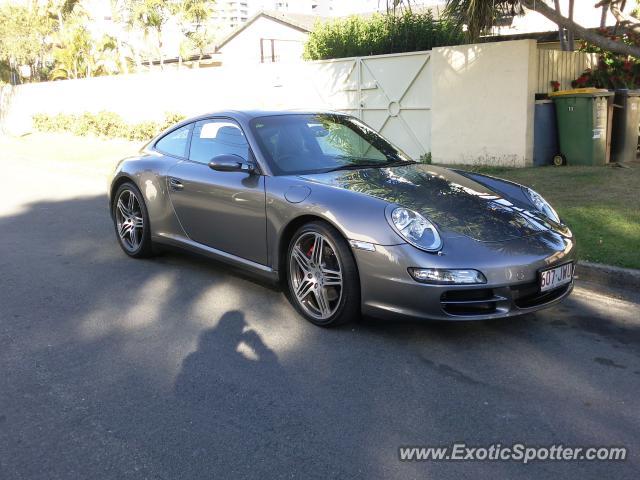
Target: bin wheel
[{"x": 559, "y": 160}]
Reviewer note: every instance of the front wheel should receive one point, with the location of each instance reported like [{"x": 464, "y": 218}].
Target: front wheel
[{"x": 322, "y": 276}]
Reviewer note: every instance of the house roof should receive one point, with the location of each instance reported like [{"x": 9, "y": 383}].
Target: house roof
[{"x": 303, "y": 23}]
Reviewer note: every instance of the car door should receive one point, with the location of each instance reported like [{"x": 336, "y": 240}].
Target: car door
[{"x": 223, "y": 210}]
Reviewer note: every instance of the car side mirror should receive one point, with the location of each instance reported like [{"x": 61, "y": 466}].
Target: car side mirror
[{"x": 230, "y": 163}]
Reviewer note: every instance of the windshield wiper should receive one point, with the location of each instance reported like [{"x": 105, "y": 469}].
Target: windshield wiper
[{"x": 370, "y": 164}]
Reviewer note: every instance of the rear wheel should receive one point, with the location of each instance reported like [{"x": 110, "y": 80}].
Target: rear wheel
[
  {"x": 322, "y": 277},
  {"x": 131, "y": 222}
]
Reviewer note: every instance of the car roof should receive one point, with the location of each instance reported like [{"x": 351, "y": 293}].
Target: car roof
[{"x": 256, "y": 113}]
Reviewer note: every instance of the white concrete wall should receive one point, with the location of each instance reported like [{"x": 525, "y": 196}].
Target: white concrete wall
[
  {"x": 148, "y": 96},
  {"x": 245, "y": 47},
  {"x": 467, "y": 104},
  {"x": 483, "y": 101}
]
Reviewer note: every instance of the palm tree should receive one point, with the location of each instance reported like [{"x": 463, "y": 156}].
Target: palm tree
[
  {"x": 61, "y": 9},
  {"x": 117, "y": 15},
  {"x": 193, "y": 16},
  {"x": 480, "y": 15},
  {"x": 151, "y": 16},
  {"x": 72, "y": 49}
]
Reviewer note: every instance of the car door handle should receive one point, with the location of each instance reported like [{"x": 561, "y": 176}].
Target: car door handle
[{"x": 175, "y": 184}]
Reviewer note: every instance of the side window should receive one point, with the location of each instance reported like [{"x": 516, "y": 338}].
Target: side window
[
  {"x": 216, "y": 137},
  {"x": 174, "y": 143}
]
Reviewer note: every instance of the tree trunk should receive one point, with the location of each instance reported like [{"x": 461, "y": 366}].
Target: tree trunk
[
  {"x": 123, "y": 58},
  {"x": 578, "y": 30},
  {"x": 570, "y": 39},
  {"x": 563, "y": 45},
  {"x": 625, "y": 21},
  {"x": 159, "y": 33}
]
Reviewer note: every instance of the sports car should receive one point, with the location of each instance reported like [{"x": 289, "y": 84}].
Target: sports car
[{"x": 345, "y": 221}]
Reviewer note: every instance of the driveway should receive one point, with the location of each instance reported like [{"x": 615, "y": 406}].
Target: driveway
[{"x": 177, "y": 367}]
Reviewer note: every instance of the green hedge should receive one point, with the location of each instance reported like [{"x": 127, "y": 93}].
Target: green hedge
[
  {"x": 380, "y": 34},
  {"x": 103, "y": 124}
]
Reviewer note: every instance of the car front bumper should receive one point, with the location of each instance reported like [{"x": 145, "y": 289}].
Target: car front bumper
[{"x": 512, "y": 269}]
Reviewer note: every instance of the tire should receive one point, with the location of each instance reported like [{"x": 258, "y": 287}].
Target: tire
[
  {"x": 143, "y": 247},
  {"x": 319, "y": 299}
]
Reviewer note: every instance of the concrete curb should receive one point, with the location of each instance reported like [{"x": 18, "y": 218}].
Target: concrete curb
[{"x": 608, "y": 275}]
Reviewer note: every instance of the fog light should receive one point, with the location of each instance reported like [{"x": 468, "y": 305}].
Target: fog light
[{"x": 446, "y": 276}]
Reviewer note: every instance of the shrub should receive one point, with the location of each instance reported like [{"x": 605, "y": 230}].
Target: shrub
[
  {"x": 613, "y": 70},
  {"x": 103, "y": 124},
  {"x": 144, "y": 130},
  {"x": 425, "y": 158},
  {"x": 380, "y": 34}
]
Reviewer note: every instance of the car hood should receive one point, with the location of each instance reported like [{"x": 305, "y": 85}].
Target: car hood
[{"x": 454, "y": 202}]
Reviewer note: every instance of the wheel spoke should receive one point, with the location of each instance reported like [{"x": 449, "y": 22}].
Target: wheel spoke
[
  {"x": 125, "y": 230},
  {"x": 121, "y": 207},
  {"x": 322, "y": 301},
  {"x": 131, "y": 203},
  {"x": 332, "y": 277},
  {"x": 133, "y": 235},
  {"x": 316, "y": 255},
  {"x": 138, "y": 222},
  {"x": 303, "y": 289},
  {"x": 301, "y": 259}
]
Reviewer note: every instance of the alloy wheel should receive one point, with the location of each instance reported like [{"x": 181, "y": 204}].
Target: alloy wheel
[
  {"x": 129, "y": 220},
  {"x": 316, "y": 275}
]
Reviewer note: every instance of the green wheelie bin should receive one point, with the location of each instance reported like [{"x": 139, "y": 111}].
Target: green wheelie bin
[
  {"x": 626, "y": 118},
  {"x": 582, "y": 116}
]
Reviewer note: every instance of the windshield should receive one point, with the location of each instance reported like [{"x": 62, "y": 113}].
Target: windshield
[{"x": 302, "y": 143}]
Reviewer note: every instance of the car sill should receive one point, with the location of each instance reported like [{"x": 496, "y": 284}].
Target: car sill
[{"x": 261, "y": 270}]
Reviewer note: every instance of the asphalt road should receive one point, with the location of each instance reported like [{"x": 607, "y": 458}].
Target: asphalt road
[{"x": 180, "y": 368}]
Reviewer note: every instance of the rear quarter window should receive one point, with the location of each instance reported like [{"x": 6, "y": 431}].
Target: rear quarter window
[{"x": 175, "y": 142}]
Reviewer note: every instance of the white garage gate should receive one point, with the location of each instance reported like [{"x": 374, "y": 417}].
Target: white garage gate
[{"x": 391, "y": 93}]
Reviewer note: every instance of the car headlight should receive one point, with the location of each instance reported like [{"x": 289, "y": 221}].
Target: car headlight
[
  {"x": 542, "y": 205},
  {"x": 415, "y": 229}
]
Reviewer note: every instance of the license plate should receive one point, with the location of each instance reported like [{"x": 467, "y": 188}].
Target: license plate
[{"x": 556, "y": 277}]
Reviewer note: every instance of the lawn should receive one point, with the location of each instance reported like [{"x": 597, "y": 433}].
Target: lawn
[{"x": 600, "y": 204}]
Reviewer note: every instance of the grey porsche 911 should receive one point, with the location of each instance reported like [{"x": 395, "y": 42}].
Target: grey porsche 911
[{"x": 343, "y": 219}]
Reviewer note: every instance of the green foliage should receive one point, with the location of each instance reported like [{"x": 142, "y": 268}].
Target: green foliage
[
  {"x": 425, "y": 158},
  {"x": 24, "y": 33},
  {"x": 193, "y": 16},
  {"x": 613, "y": 70},
  {"x": 5, "y": 72},
  {"x": 380, "y": 34},
  {"x": 480, "y": 15},
  {"x": 103, "y": 124},
  {"x": 73, "y": 50},
  {"x": 151, "y": 16}
]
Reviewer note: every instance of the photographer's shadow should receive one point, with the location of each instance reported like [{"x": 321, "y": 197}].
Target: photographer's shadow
[{"x": 230, "y": 358}]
